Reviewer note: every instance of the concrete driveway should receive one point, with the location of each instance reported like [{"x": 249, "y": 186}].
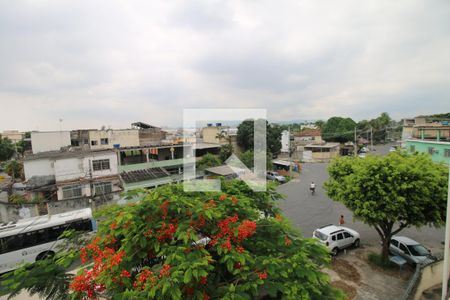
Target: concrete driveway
[{"x": 309, "y": 212}]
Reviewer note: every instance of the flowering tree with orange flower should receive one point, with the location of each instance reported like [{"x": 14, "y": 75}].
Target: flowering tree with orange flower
[{"x": 174, "y": 244}]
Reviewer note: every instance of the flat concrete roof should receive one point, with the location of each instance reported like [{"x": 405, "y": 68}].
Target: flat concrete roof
[
  {"x": 224, "y": 170},
  {"x": 327, "y": 145},
  {"x": 281, "y": 162},
  {"x": 199, "y": 146},
  {"x": 66, "y": 154}
]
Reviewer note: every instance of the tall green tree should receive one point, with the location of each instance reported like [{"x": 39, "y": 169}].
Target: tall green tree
[
  {"x": 183, "y": 245},
  {"x": 320, "y": 124},
  {"x": 339, "y": 130},
  {"x": 390, "y": 193},
  {"x": 247, "y": 159},
  {"x": 245, "y": 136},
  {"x": 225, "y": 152},
  {"x": 14, "y": 169},
  {"x": 6, "y": 149},
  {"x": 207, "y": 161}
]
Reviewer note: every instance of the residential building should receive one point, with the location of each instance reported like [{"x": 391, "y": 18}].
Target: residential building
[
  {"x": 308, "y": 136},
  {"x": 113, "y": 138},
  {"x": 49, "y": 141},
  {"x": 320, "y": 152},
  {"x": 431, "y": 138},
  {"x": 72, "y": 174},
  {"x": 151, "y": 166},
  {"x": 285, "y": 141},
  {"x": 149, "y": 135},
  {"x": 218, "y": 134},
  {"x": 14, "y": 135}
]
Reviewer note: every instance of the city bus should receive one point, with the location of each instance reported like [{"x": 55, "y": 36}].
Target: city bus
[{"x": 36, "y": 238}]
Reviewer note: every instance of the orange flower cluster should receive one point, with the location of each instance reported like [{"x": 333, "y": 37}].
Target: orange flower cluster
[
  {"x": 165, "y": 271},
  {"x": 164, "y": 208},
  {"x": 209, "y": 204},
  {"x": 287, "y": 241},
  {"x": 145, "y": 277},
  {"x": 85, "y": 283},
  {"x": 246, "y": 229},
  {"x": 201, "y": 222},
  {"x": 262, "y": 275},
  {"x": 228, "y": 232},
  {"x": 166, "y": 232},
  {"x": 125, "y": 274},
  {"x": 104, "y": 259}
]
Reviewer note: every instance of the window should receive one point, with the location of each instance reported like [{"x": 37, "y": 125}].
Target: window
[
  {"x": 404, "y": 249},
  {"x": 103, "y": 188},
  {"x": 71, "y": 192},
  {"x": 412, "y": 148},
  {"x": 347, "y": 235},
  {"x": 446, "y": 152},
  {"x": 41, "y": 236},
  {"x": 430, "y": 150},
  {"x": 104, "y": 141},
  {"x": 394, "y": 243},
  {"x": 100, "y": 164},
  {"x": 340, "y": 236},
  {"x": 333, "y": 237},
  {"x": 94, "y": 143},
  {"x": 85, "y": 141}
]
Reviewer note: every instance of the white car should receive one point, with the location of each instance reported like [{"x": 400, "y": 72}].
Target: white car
[
  {"x": 275, "y": 177},
  {"x": 336, "y": 238},
  {"x": 409, "y": 249}
]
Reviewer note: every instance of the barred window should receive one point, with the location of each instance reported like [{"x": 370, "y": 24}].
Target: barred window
[
  {"x": 446, "y": 152},
  {"x": 100, "y": 164},
  {"x": 71, "y": 192},
  {"x": 103, "y": 188},
  {"x": 104, "y": 141},
  {"x": 430, "y": 150}
]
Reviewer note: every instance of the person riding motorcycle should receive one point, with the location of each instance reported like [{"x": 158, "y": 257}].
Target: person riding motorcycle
[{"x": 312, "y": 187}]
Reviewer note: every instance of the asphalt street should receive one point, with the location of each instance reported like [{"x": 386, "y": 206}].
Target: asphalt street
[{"x": 308, "y": 212}]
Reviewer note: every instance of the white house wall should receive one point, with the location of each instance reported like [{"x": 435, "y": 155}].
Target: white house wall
[
  {"x": 49, "y": 141},
  {"x": 69, "y": 169},
  {"x": 123, "y": 138},
  {"x": 81, "y": 167},
  {"x": 85, "y": 191},
  {"x": 40, "y": 167}
]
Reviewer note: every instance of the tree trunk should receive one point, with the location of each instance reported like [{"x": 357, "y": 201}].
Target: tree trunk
[
  {"x": 385, "y": 249},
  {"x": 385, "y": 233}
]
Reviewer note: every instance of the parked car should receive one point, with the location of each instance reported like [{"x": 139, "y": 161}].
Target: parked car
[
  {"x": 362, "y": 154},
  {"x": 409, "y": 249},
  {"x": 336, "y": 238},
  {"x": 275, "y": 177},
  {"x": 392, "y": 149},
  {"x": 364, "y": 150}
]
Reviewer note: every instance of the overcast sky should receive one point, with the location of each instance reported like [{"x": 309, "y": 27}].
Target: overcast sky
[{"x": 95, "y": 63}]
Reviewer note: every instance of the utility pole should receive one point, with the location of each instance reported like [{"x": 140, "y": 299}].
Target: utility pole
[
  {"x": 445, "y": 273},
  {"x": 356, "y": 145},
  {"x": 371, "y": 138},
  {"x": 290, "y": 151}
]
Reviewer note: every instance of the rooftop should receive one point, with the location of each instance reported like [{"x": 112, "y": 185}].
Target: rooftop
[
  {"x": 307, "y": 132},
  {"x": 326, "y": 145},
  {"x": 224, "y": 170},
  {"x": 71, "y": 152}
]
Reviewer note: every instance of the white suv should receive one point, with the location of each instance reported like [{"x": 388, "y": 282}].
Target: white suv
[{"x": 337, "y": 237}]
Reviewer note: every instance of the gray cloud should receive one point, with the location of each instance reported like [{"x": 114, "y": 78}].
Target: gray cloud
[{"x": 113, "y": 62}]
